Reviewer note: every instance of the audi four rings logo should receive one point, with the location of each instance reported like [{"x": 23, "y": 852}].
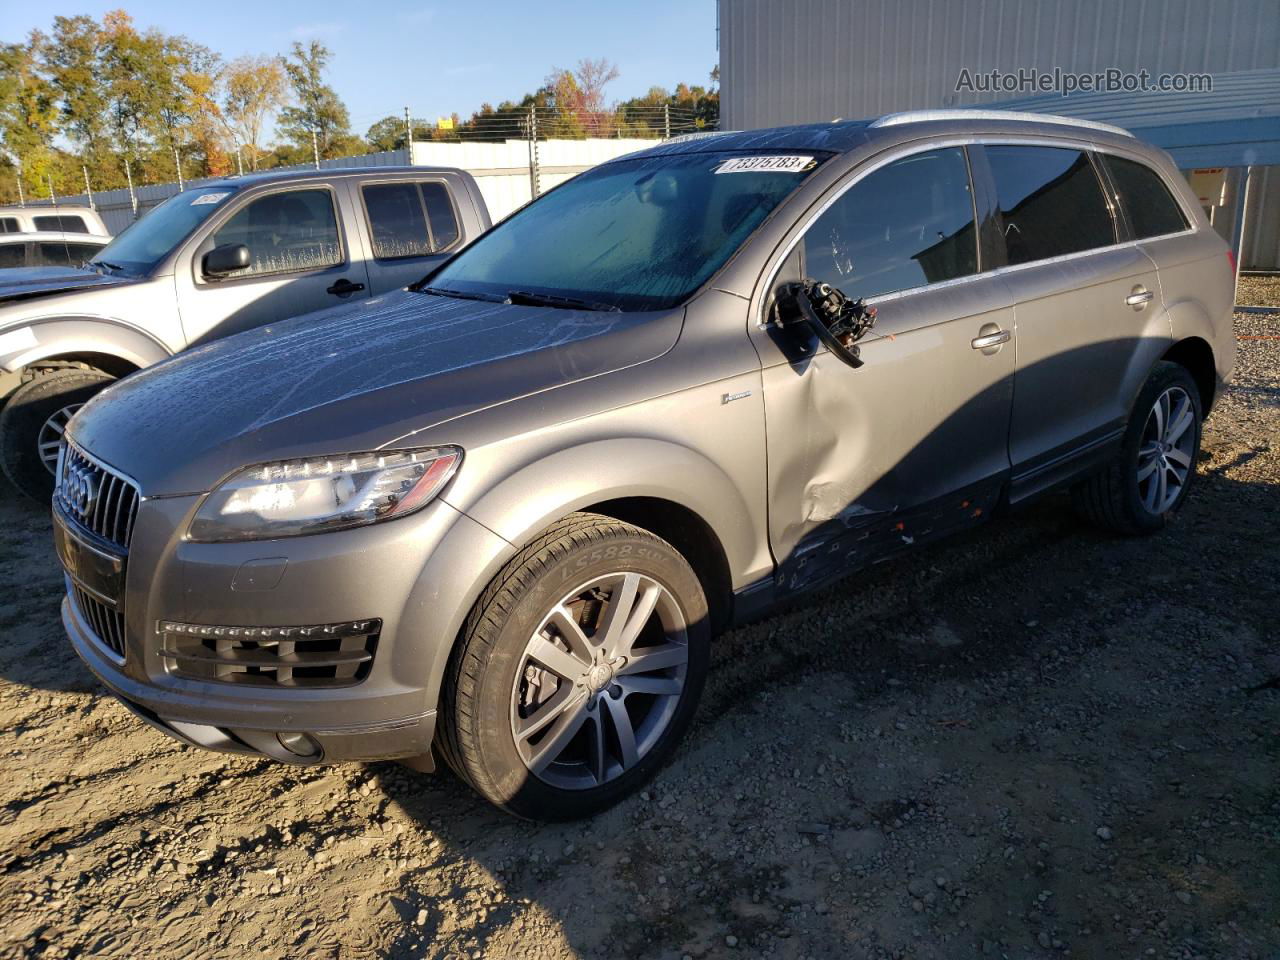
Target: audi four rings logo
[{"x": 80, "y": 489}]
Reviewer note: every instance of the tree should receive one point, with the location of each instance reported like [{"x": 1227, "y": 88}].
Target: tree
[
  {"x": 72, "y": 57},
  {"x": 319, "y": 110},
  {"x": 254, "y": 89},
  {"x": 28, "y": 113},
  {"x": 388, "y": 133}
]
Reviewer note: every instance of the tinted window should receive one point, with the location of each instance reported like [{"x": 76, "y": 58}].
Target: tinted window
[
  {"x": 142, "y": 244},
  {"x": 1151, "y": 208},
  {"x": 10, "y": 225},
  {"x": 65, "y": 223},
  {"x": 638, "y": 234},
  {"x": 444, "y": 225},
  {"x": 65, "y": 254},
  {"x": 397, "y": 220},
  {"x": 13, "y": 255},
  {"x": 905, "y": 225},
  {"x": 1050, "y": 200},
  {"x": 285, "y": 232}
]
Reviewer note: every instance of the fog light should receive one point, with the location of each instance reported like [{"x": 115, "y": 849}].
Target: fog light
[{"x": 299, "y": 744}]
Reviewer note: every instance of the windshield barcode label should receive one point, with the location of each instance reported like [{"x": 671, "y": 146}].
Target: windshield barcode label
[{"x": 765, "y": 165}]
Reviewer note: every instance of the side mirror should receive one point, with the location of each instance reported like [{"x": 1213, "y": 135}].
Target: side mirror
[
  {"x": 835, "y": 319},
  {"x": 225, "y": 259}
]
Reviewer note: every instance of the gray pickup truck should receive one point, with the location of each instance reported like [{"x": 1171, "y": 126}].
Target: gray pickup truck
[{"x": 209, "y": 262}]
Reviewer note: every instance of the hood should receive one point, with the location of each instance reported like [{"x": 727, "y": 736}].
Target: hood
[
  {"x": 27, "y": 283},
  {"x": 349, "y": 379}
]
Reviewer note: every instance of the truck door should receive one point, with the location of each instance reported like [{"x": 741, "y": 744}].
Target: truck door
[
  {"x": 412, "y": 225},
  {"x": 913, "y": 444},
  {"x": 301, "y": 260}
]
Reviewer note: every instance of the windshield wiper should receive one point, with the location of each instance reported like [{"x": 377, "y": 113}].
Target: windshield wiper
[
  {"x": 106, "y": 263},
  {"x": 458, "y": 294},
  {"x": 530, "y": 299}
]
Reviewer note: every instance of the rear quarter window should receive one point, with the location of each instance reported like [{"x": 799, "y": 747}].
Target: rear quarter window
[
  {"x": 1051, "y": 202},
  {"x": 13, "y": 255},
  {"x": 10, "y": 225},
  {"x": 67, "y": 223},
  {"x": 1150, "y": 206}
]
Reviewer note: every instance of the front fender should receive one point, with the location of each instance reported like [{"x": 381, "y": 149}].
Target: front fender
[
  {"x": 47, "y": 337},
  {"x": 525, "y": 502}
]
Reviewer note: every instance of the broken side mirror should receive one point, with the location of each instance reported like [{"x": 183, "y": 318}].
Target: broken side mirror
[{"x": 835, "y": 319}]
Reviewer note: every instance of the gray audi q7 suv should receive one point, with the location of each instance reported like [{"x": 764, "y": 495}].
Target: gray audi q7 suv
[{"x": 498, "y": 516}]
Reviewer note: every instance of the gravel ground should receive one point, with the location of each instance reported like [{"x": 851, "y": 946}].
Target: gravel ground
[{"x": 1032, "y": 741}]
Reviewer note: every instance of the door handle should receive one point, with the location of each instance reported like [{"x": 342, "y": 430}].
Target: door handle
[
  {"x": 1139, "y": 298},
  {"x": 343, "y": 287},
  {"x": 989, "y": 340}
]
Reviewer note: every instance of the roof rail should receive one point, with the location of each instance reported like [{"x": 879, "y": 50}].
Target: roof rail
[{"x": 923, "y": 116}]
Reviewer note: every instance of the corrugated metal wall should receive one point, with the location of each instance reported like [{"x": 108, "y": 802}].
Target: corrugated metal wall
[{"x": 797, "y": 61}]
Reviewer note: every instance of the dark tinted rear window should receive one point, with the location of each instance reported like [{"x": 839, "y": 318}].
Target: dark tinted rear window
[
  {"x": 396, "y": 220},
  {"x": 52, "y": 253},
  {"x": 13, "y": 255},
  {"x": 444, "y": 226},
  {"x": 67, "y": 223},
  {"x": 1051, "y": 202},
  {"x": 1151, "y": 208},
  {"x": 10, "y": 225}
]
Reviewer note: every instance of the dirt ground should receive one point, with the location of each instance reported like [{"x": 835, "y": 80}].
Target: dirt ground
[{"x": 1033, "y": 741}]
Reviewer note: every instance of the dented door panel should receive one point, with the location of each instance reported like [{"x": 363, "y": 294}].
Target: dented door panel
[{"x": 910, "y": 446}]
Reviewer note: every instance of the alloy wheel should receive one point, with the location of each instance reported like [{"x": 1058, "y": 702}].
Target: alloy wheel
[
  {"x": 599, "y": 681},
  {"x": 1165, "y": 451},
  {"x": 50, "y": 437}
]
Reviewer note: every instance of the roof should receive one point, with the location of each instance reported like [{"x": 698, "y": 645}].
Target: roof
[
  {"x": 55, "y": 236},
  {"x": 324, "y": 173},
  {"x": 1237, "y": 123}
]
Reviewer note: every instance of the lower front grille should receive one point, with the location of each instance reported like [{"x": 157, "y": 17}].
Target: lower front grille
[
  {"x": 323, "y": 655},
  {"x": 106, "y": 622}
]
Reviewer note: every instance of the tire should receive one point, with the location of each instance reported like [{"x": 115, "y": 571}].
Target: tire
[
  {"x": 508, "y": 707},
  {"x": 1125, "y": 497},
  {"x": 36, "y": 414}
]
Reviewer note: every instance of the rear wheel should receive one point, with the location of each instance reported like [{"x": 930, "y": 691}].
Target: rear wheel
[
  {"x": 1141, "y": 489},
  {"x": 33, "y": 422},
  {"x": 578, "y": 672}
]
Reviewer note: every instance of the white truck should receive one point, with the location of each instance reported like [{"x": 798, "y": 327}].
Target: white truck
[{"x": 209, "y": 262}]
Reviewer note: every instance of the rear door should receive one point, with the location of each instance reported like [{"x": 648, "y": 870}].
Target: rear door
[
  {"x": 301, "y": 261},
  {"x": 1089, "y": 319},
  {"x": 864, "y": 462},
  {"x": 411, "y": 226}
]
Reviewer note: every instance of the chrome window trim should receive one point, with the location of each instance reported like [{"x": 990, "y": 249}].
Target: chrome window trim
[{"x": 924, "y": 146}]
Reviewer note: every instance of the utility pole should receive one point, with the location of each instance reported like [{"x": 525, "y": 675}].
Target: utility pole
[
  {"x": 22, "y": 201},
  {"x": 239, "y": 162},
  {"x": 408, "y": 134},
  {"x": 52, "y": 196},
  {"x": 534, "y": 186},
  {"x": 315, "y": 148},
  {"x": 177, "y": 162},
  {"x": 88, "y": 189},
  {"x": 133, "y": 197}
]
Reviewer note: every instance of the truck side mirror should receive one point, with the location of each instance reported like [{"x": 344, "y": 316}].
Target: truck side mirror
[{"x": 225, "y": 259}]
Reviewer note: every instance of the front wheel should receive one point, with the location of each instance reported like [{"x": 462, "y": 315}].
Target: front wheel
[
  {"x": 1148, "y": 481},
  {"x": 578, "y": 671},
  {"x": 33, "y": 421}
]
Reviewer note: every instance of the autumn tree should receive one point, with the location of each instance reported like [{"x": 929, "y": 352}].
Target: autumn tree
[
  {"x": 254, "y": 89},
  {"x": 318, "y": 109}
]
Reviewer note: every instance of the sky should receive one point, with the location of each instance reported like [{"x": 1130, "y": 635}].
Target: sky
[{"x": 435, "y": 58}]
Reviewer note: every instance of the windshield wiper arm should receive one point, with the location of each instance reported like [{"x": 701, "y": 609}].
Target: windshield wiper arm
[
  {"x": 459, "y": 295},
  {"x": 530, "y": 299}
]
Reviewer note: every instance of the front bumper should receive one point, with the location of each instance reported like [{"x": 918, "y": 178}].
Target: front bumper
[{"x": 418, "y": 575}]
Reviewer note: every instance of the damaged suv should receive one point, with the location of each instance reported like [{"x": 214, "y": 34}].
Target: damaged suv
[{"x": 496, "y": 518}]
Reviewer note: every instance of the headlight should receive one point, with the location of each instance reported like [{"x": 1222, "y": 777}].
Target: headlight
[{"x": 292, "y": 497}]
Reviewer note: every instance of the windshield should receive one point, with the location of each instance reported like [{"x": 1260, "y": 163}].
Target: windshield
[
  {"x": 142, "y": 244},
  {"x": 639, "y": 234}
]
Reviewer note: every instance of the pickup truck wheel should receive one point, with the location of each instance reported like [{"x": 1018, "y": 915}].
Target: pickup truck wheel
[
  {"x": 578, "y": 671},
  {"x": 1139, "y": 491},
  {"x": 33, "y": 421}
]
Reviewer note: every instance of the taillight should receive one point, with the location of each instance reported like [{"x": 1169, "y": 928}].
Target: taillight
[{"x": 1231, "y": 259}]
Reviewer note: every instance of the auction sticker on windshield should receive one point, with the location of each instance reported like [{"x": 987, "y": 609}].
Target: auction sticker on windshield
[
  {"x": 787, "y": 164},
  {"x": 208, "y": 198}
]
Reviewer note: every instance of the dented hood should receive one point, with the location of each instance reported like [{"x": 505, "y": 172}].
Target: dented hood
[{"x": 349, "y": 379}]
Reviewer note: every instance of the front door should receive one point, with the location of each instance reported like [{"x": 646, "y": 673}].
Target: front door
[
  {"x": 299, "y": 262},
  {"x": 913, "y": 444}
]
